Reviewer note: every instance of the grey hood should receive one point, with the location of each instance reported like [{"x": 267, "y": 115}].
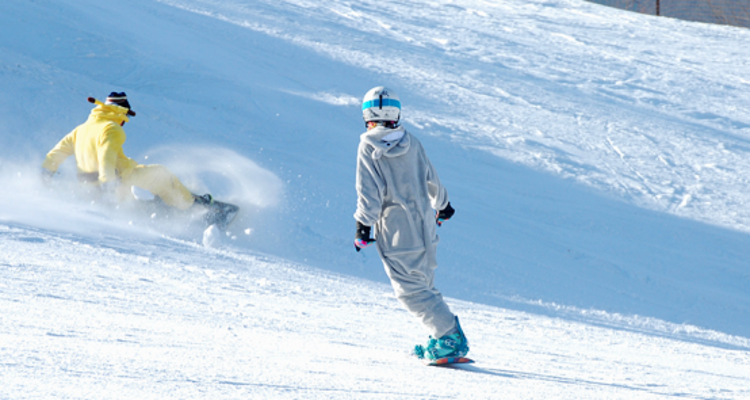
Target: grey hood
[{"x": 387, "y": 142}]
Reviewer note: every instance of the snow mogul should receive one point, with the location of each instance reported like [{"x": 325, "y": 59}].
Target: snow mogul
[
  {"x": 102, "y": 164},
  {"x": 398, "y": 190}
]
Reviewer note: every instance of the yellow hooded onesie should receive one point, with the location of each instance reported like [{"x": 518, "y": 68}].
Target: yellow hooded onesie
[{"x": 97, "y": 146}]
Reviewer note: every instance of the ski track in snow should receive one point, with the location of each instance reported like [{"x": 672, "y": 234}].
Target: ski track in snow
[{"x": 166, "y": 319}]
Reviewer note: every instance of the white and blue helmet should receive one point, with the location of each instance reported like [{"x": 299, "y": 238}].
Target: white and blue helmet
[{"x": 381, "y": 104}]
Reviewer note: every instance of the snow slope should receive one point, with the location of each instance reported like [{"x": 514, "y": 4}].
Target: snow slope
[
  {"x": 162, "y": 319},
  {"x": 597, "y": 160}
]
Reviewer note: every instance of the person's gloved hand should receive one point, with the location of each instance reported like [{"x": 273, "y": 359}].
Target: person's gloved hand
[
  {"x": 362, "y": 238},
  {"x": 444, "y": 214}
]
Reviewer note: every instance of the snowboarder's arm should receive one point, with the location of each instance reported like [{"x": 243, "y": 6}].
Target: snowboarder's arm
[
  {"x": 369, "y": 186},
  {"x": 437, "y": 192},
  {"x": 64, "y": 149}
]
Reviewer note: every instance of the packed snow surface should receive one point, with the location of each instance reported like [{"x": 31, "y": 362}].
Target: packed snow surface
[{"x": 598, "y": 161}]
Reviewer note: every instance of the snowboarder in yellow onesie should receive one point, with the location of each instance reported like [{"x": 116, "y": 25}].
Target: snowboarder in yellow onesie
[{"x": 100, "y": 161}]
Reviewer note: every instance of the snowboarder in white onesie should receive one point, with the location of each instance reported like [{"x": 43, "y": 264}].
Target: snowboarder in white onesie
[{"x": 398, "y": 192}]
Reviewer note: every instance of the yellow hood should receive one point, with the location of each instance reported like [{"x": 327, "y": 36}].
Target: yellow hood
[{"x": 110, "y": 112}]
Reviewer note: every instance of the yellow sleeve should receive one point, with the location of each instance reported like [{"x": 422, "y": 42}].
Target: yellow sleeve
[
  {"x": 64, "y": 149},
  {"x": 109, "y": 149}
]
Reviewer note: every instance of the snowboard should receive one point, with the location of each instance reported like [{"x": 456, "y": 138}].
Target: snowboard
[
  {"x": 442, "y": 362},
  {"x": 218, "y": 218},
  {"x": 218, "y": 213},
  {"x": 221, "y": 214}
]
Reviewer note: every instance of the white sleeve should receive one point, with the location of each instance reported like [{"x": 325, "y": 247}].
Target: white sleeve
[
  {"x": 370, "y": 186},
  {"x": 437, "y": 192}
]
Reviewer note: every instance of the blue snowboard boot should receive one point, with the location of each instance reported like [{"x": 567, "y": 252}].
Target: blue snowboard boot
[{"x": 451, "y": 345}]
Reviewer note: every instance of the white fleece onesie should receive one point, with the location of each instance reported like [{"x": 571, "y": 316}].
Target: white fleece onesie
[{"x": 398, "y": 190}]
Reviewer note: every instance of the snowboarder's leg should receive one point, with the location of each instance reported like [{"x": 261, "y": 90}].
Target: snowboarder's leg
[
  {"x": 412, "y": 276},
  {"x": 161, "y": 182}
]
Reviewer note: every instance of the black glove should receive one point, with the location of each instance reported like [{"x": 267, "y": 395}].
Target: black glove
[
  {"x": 444, "y": 214},
  {"x": 362, "y": 238}
]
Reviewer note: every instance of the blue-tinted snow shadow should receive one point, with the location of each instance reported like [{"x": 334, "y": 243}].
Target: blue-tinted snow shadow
[{"x": 635, "y": 388}]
